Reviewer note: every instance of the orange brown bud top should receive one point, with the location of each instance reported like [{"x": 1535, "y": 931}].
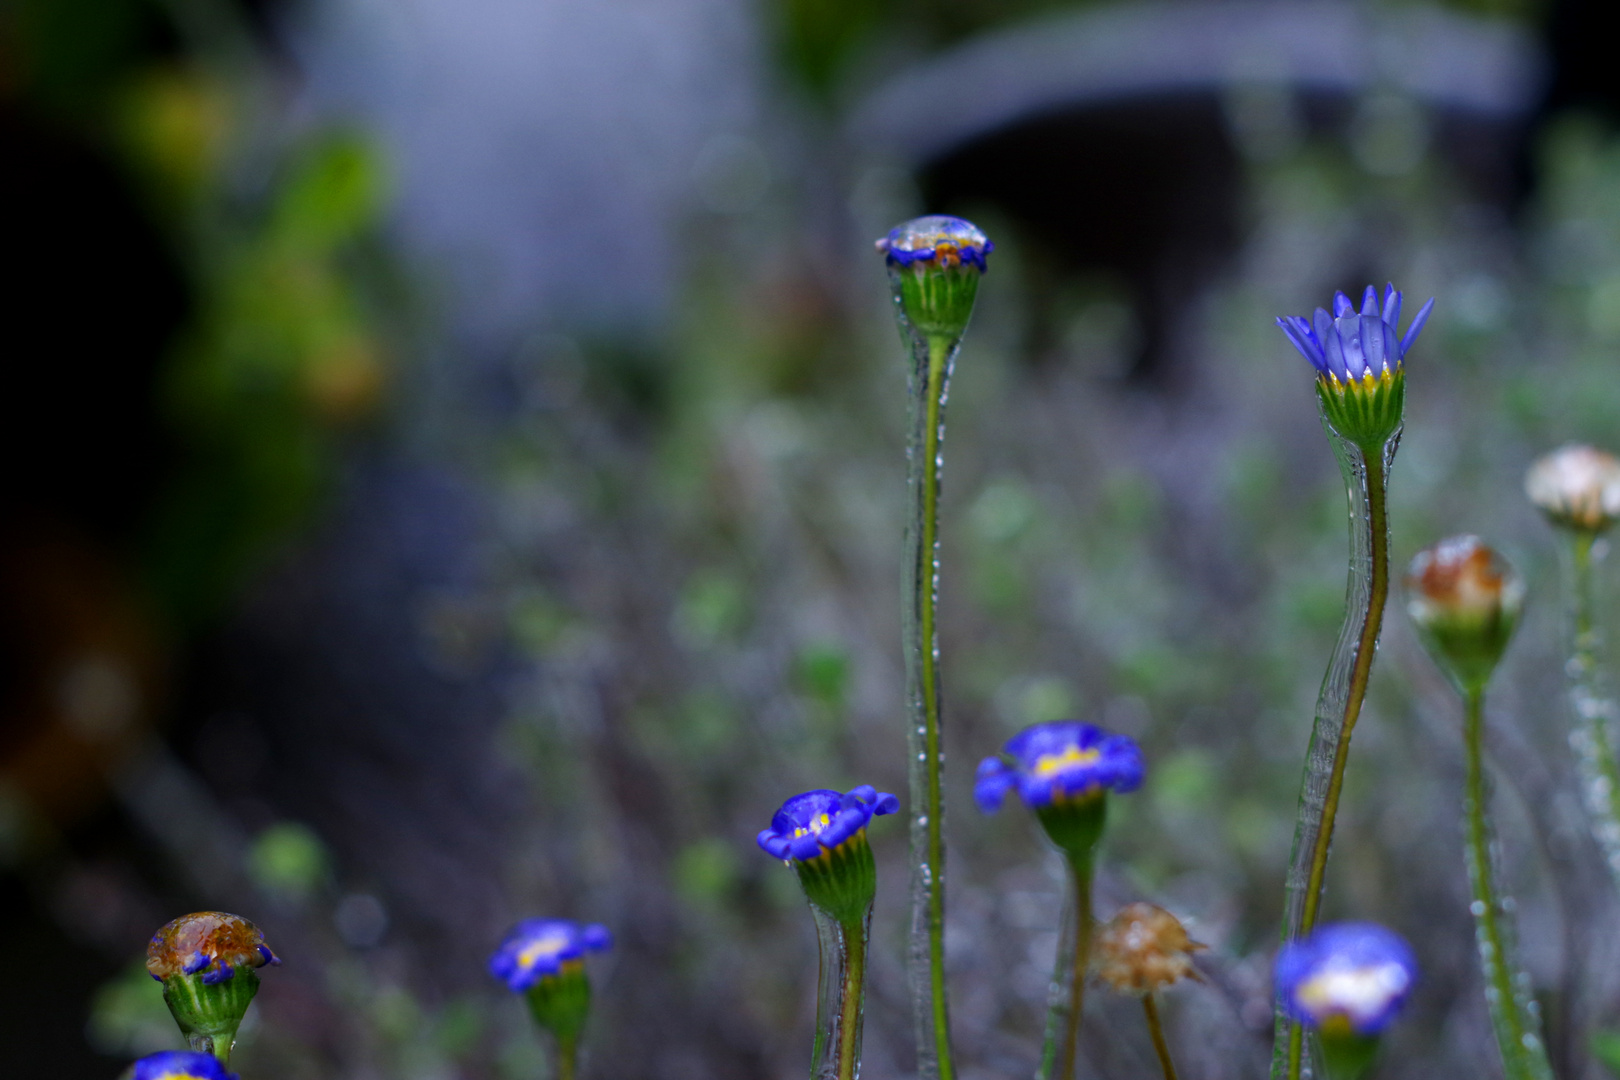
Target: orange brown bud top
[
  {"x": 1465, "y": 600},
  {"x": 1144, "y": 948},
  {"x": 212, "y": 944}
]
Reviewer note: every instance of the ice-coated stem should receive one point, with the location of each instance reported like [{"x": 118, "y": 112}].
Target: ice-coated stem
[
  {"x": 1067, "y": 997},
  {"x": 932, "y": 359},
  {"x": 840, "y": 997},
  {"x": 1366, "y": 475},
  {"x": 1590, "y": 699},
  {"x": 1155, "y": 1029},
  {"x": 1507, "y": 990}
]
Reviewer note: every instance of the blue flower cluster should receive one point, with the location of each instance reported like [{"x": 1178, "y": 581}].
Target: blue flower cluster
[
  {"x": 180, "y": 1065},
  {"x": 821, "y": 820},
  {"x": 538, "y": 948},
  {"x": 1349, "y": 346},
  {"x": 1059, "y": 761},
  {"x": 1346, "y": 977},
  {"x": 949, "y": 240}
]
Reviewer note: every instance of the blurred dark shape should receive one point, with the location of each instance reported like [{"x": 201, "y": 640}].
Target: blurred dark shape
[
  {"x": 1108, "y": 137},
  {"x": 1581, "y": 35}
]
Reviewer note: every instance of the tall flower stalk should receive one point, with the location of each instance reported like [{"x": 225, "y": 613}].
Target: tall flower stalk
[
  {"x": 1064, "y": 770},
  {"x": 822, "y": 835},
  {"x": 934, "y": 269},
  {"x": 1361, "y": 393},
  {"x": 1578, "y": 489},
  {"x": 1465, "y": 600}
]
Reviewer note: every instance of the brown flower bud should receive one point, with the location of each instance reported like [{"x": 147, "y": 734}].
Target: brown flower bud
[
  {"x": 1465, "y": 600},
  {"x": 1143, "y": 948},
  {"x": 1577, "y": 487}
]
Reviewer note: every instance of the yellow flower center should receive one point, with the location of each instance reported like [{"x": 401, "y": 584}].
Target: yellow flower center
[
  {"x": 546, "y": 946},
  {"x": 1048, "y": 765},
  {"x": 817, "y": 824}
]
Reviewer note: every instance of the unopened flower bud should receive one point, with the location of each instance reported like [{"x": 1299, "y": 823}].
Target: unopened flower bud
[
  {"x": 1577, "y": 487},
  {"x": 1144, "y": 948},
  {"x": 1465, "y": 600},
  {"x": 935, "y": 263},
  {"x": 206, "y": 963}
]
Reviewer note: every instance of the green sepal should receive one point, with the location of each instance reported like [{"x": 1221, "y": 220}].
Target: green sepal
[
  {"x": 1365, "y": 411},
  {"x": 561, "y": 1003},
  {"x": 210, "y": 1013},
  {"x": 936, "y": 301},
  {"x": 841, "y": 881},
  {"x": 1468, "y": 645},
  {"x": 1345, "y": 1054},
  {"x": 1075, "y": 825}
]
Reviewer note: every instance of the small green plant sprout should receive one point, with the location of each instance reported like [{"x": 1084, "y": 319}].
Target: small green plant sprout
[
  {"x": 1347, "y": 982},
  {"x": 1063, "y": 770},
  {"x": 1140, "y": 951},
  {"x": 1464, "y": 599},
  {"x": 207, "y": 964},
  {"x": 822, "y": 835}
]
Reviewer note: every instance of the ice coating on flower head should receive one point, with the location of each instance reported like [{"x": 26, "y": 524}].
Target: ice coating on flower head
[
  {"x": 1351, "y": 345},
  {"x": 1057, "y": 761},
  {"x": 937, "y": 240},
  {"x": 1461, "y": 577},
  {"x": 213, "y": 944},
  {"x": 821, "y": 820},
  {"x": 1144, "y": 948},
  {"x": 538, "y": 948},
  {"x": 180, "y": 1065},
  {"x": 1576, "y": 486},
  {"x": 1346, "y": 975}
]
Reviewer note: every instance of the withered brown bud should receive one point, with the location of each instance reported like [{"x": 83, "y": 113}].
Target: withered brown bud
[{"x": 1144, "y": 948}]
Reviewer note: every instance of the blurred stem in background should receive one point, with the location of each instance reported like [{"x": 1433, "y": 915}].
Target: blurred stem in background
[
  {"x": 1464, "y": 600},
  {"x": 1067, "y": 997},
  {"x": 934, "y": 269},
  {"x": 1578, "y": 489},
  {"x": 1156, "y": 1031}
]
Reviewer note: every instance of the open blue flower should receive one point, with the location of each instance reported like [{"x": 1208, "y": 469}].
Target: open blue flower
[
  {"x": 1345, "y": 978},
  {"x": 538, "y": 948},
  {"x": 1059, "y": 761},
  {"x": 938, "y": 240},
  {"x": 181, "y": 1065},
  {"x": 1350, "y": 345},
  {"x": 820, "y": 821}
]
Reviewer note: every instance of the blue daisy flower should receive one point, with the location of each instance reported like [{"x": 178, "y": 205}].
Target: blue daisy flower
[
  {"x": 817, "y": 822},
  {"x": 1349, "y": 345},
  {"x": 180, "y": 1065},
  {"x": 938, "y": 240},
  {"x": 536, "y": 949},
  {"x": 1346, "y": 978},
  {"x": 1059, "y": 761}
]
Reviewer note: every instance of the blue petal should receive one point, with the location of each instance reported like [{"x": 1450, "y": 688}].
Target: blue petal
[
  {"x": 990, "y": 788},
  {"x": 805, "y": 847},
  {"x": 1323, "y": 326},
  {"x": 198, "y": 961},
  {"x": 1334, "y": 349},
  {"x": 1372, "y": 341},
  {"x": 1355, "y": 360},
  {"x": 1369, "y": 301},
  {"x": 1305, "y": 347},
  {"x": 773, "y": 844},
  {"x": 886, "y": 804},
  {"x": 224, "y": 974},
  {"x": 1416, "y": 327},
  {"x": 844, "y": 826},
  {"x": 863, "y": 793},
  {"x": 1342, "y": 306},
  {"x": 596, "y": 937},
  {"x": 1392, "y": 306}
]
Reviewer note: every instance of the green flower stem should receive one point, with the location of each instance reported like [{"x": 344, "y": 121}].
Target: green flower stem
[
  {"x": 1068, "y": 996},
  {"x": 849, "y": 1023},
  {"x": 1512, "y": 1013},
  {"x": 1366, "y": 471},
  {"x": 930, "y": 380},
  {"x": 567, "y": 1057},
  {"x": 1590, "y": 702},
  {"x": 1155, "y": 1029}
]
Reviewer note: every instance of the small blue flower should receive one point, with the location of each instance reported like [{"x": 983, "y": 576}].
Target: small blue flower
[
  {"x": 539, "y": 948},
  {"x": 1059, "y": 761},
  {"x": 820, "y": 821},
  {"x": 938, "y": 240},
  {"x": 1348, "y": 346},
  {"x": 181, "y": 1065},
  {"x": 1346, "y": 978}
]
